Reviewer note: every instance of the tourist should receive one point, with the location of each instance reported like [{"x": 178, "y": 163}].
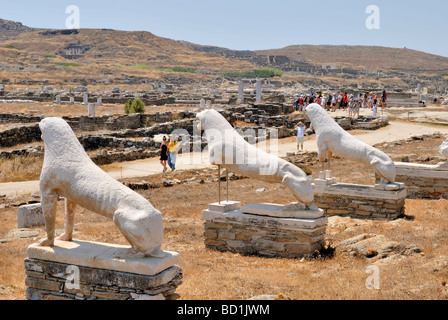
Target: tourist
[
  {"x": 383, "y": 99},
  {"x": 328, "y": 107},
  {"x": 163, "y": 154},
  {"x": 370, "y": 100},
  {"x": 172, "y": 153},
  {"x": 323, "y": 101},
  {"x": 340, "y": 96},
  {"x": 375, "y": 99},
  {"x": 300, "y": 127},
  {"x": 296, "y": 102},
  {"x": 301, "y": 102},
  {"x": 374, "y": 110},
  {"x": 345, "y": 101},
  {"x": 356, "y": 105},
  {"x": 350, "y": 106},
  {"x": 312, "y": 98},
  {"x": 334, "y": 102}
]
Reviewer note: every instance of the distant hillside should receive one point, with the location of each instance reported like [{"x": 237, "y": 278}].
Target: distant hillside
[
  {"x": 11, "y": 29},
  {"x": 367, "y": 57},
  {"x": 97, "y": 56}
]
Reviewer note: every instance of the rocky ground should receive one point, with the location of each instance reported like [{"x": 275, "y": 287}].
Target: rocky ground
[{"x": 409, "y": 253}]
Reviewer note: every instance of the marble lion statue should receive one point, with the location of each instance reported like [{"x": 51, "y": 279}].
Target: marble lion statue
[
  {"x": 68, "y": 172},
  {"x": 332, "y": 139},
  {"x": 443, "y": 149},
  {"x": 228, "y": 149}
]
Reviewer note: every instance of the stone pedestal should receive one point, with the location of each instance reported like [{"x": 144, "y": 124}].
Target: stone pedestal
[
  {"x": 268, "y": 230},
  {"x": 81, "y": 270},
  {"x": 241, "y": 92},
  {"x": 360, "y": 201},
  {"x": 86, "y": 99},
  {"x": 423, "y": 181},
  {"x": 91, "y": 110},
  {"x": 30, "y": 215}
]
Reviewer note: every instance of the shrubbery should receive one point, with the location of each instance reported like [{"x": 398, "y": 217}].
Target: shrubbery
[
  {"x": 134, "y": 106},
  {"x": 267, "y": 72},
  {"x": 177, "y": 69}
]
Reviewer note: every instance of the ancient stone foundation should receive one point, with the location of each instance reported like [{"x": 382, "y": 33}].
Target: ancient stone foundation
[
  {"x": 81, "y": 270},
  {"x": 423, "y": 181},
  {"x": 359, "y": 201},
  {"x": 264, "y": 230}
]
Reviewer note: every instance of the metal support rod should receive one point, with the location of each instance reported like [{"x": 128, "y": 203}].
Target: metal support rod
[
  {"x": 219, "y": 184},
  {"x": 227, "y": 185}
]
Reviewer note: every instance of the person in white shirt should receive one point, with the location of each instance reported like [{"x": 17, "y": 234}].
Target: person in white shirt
[
  {"x": 323, "y": 101},
  {"x": 300, "y": 127},
  {"x": 334, "y": 101}
]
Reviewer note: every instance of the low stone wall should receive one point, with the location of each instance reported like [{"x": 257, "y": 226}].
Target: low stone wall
[
  {"x": 122, "y": 156},
  {"x": 46, "y": 280},
  {"x": 19, "y": 118},
  {"x": 19, "y": 135},
  {"x": 358, "y": 201},
  {"x": 251, "y": 234},
  {"x": 423, "y": 181},
  {"x": 83, "y": 270}
]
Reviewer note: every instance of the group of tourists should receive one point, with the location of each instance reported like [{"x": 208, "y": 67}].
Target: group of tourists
[
  {"x": 343, "y": 101},
  {"x": 168, "y": 153}
]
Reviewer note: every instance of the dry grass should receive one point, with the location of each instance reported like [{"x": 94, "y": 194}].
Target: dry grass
[
  {"x": 77, "y": 110},
  {"x": 20, "y": 169},
  {"x": 209, "y": 274}
]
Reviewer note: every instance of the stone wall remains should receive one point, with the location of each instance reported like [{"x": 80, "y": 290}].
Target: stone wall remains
[{"x": 47, "y": 280}]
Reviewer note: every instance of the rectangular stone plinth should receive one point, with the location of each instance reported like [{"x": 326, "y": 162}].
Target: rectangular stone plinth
[
  {"x": 251, "y": 234},
  {"x": 100, "y": 274},
  {"x": 281, "y": 211},
  {"x": 423, "y": 181},
  {"x": 359, "y": 201}
]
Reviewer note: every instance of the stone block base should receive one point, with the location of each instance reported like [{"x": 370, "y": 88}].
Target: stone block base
[
  {"x": 30, "y": 216},
  {"x": 359, "y": 201},
  {"x": 263, "y": 235},
  {"x": 82, "y": 270},
  {"x": 423, "y": 181}
]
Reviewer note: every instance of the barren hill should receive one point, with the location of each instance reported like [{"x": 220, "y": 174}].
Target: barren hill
[
  {"x": 90, "y": 56},
  {"x": 11, "y": 29},
  {"x": 366, "y": 57},
  {"x": 61, "y": 55}
]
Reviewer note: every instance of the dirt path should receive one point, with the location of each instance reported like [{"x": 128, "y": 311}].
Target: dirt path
[{"x": 141, "y": 168}]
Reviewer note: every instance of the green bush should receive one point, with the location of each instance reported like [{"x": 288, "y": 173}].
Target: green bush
[
  {"x": 50, "y": 56},
  {"x": 140, "y": 66},
  {"x": 134, "y": 106},
  {"x": 67, "y": 64},
  {"x": 177, "y": 69},
  {"x": 267, "y": 72},
  {"x": 11, "y": 47}
]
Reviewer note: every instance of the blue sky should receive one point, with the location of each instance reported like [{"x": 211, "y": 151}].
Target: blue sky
[{"x": 253, "y": 24}]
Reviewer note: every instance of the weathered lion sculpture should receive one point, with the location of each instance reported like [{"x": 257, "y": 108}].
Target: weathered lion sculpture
[
  {"x": 68, "y": 172},
  {"x": 228, "y": 149},
  {"x": 443, "y": 149},
  {"x": 332, "y": 139}
]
